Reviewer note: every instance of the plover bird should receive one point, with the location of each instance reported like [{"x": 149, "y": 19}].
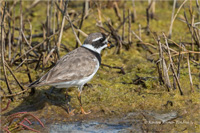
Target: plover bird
[{"x": 77, "y": 67}]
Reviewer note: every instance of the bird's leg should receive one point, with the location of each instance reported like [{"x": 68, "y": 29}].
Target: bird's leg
[
  {"x": 68, "y": 99},
  {"x": 51, "y": 89},
  {"x": 79, "y": 99}
]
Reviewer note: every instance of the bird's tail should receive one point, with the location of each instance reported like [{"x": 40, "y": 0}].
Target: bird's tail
[{"x": 34, "y": 84}]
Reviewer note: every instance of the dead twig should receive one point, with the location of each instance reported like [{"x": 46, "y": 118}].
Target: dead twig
[
  {"x": 14, "y": 76},
  {"x": 189, "y": 71},
  {"x": 144, "y": 45},
  {"x": 148, "y": 16},
  {"x": 29, "y": 76},
  {"x": 136, "y": 36},
  {"x": 172, "y": 66},
  {"x": 38, "y": 61},
  {"x": 80, "y": 31},
  {"x": 62, "y": 25},
  {"x": 77, "y": 39},
  {"x": 134, "y": 15},
  {"x": 81, "y": 23},
  {"x": 47, "y": 58},
  {"x": 14, "y": 94},
  {"x": 116, "y": 9},
  {"x": 123, "y": 29},
  {"x": 34, "y": 47},
  {"x": 116, "y": 36},
  {"x": 129, "y": 27},
  {"x": 115, "y": 67},
  {"x": 140, "y": 33},
  {"x": 179, "y": 64},
  {"x": 171, "y": 25},
  {"x": 3, "y": 48},
  {"x": 174, "y": 16},
  {"x": 161, "y": 81},
  {"x": 163, "y": 66}
]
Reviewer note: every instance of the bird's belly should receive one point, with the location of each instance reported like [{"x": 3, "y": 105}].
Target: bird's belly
[
  {"x": 73, "y": 83},
  {"x": 66, "y": 84},
  {"x": 77, "y": 83}
]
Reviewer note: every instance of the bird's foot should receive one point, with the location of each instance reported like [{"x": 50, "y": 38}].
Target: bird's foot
[
  {"x": 83, "y": 112},
  {"x": 71, "y": 113}
]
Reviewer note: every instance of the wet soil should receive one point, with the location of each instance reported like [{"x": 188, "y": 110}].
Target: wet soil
[{"x": 52, "y": 109}]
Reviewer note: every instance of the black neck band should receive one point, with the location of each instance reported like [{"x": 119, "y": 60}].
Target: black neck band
[{"x": 97, "y": 55}]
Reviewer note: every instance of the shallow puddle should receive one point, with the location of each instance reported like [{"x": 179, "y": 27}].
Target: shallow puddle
[
  {"x": 132, "y": 122},
  {"x": 92, "y": 127}
]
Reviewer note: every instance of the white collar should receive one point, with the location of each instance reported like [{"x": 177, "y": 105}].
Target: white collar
[{"x": 89, "y": 46}]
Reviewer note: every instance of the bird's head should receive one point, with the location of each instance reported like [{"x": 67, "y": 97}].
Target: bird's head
[{"x": 97, "y": 42}]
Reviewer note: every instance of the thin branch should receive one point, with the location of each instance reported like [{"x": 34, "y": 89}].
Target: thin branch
[
  {"x": 172, "y": 66},
  {"x": 3, "y": 48},
  {"x": 77, "y": 39},
  {"x": 115, "y": 67},
  {"x": 35, "y": 47},
  {"x": 189, "y": 71},
  {"x": 62, "y": 25},
  {"x": 116, "y": 9},
  {"x": 163, "y": 66},
  {"x": 136, "y": 36},
  {"x": 177, "y": 12},
  {"x": 81, "y": 23},
  {"x": 14, "y": 94},
  {"x": 171, "y": 25},
  {"x": 14, "y": 76},
  {"x": 129, "y": 27},
  {"x": 123, "y": 29},
  {"x": 47, "y": 58}
]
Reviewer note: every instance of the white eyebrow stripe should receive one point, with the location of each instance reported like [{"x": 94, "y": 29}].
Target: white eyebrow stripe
[{"x": 96, "y": 39}]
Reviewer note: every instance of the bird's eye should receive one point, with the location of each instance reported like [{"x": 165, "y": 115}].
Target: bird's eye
[{"x": 101, "y": 40}]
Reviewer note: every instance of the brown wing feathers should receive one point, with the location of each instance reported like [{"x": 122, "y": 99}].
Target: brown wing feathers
[{"x": 73, "y": 66}]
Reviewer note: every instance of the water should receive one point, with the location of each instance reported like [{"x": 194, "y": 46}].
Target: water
[
  {"x": 132, "y": 122},
  {"x": 91, "y": 127}
]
